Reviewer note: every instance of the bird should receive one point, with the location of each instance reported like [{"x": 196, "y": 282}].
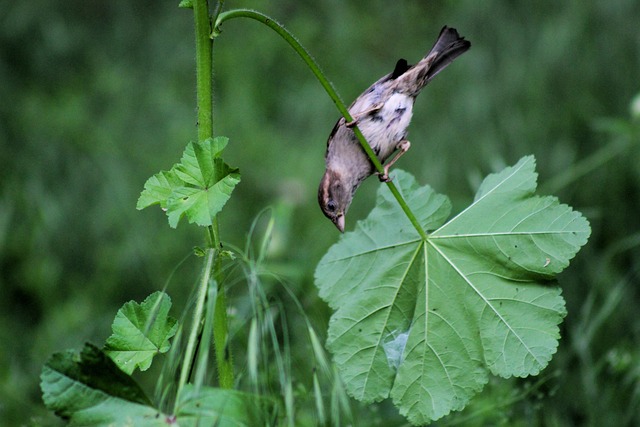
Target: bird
[{"x": 383, "y": 113}]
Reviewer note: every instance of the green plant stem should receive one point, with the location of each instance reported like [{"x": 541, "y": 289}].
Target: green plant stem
[
  {"x": 204, "y": 88},
  {"x": 204, "y": 66},
  {"x": 197, "y": 319},
  {"x": 328, "y": 87},
  {"x": 224, "y": 359}
]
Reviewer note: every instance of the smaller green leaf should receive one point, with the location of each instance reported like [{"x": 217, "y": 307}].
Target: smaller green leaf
[
  {"x": 189, "y": 170},
  {"x": 198, "y": 164},
  {"x": 198, "y": 187},
  {"x": 186, "y": 4},
  {"x": 90, "y": 390},
  {"x": 221, "y": 407},
  {"x": 158, "y": 189},
  {"x": 189, "y": 201},
  {"x": 140, "y": 331}
]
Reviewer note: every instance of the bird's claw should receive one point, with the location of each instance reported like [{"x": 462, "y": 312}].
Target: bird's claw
[
  {"x": 384, "y": 177},
  {"x": 356, "y": 117}
]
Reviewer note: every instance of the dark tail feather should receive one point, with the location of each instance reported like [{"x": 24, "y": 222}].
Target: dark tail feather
[{"x": 447, "y": 48}]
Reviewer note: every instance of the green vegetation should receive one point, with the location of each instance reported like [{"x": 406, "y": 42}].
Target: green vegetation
[
  {"x": 423, "y": 320},
  {"x": 101, "y": 97}
]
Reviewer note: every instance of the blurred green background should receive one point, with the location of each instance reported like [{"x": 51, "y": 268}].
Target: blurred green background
[{"x": 96, "y": 96}]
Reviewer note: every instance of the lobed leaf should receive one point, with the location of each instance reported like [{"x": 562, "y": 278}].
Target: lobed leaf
[
  {"x": 424, "y": 321},
  {"x": 198, "y": 187},
  {"x": 140, "y": 331},
  {"x": 158, "y": 189},
  {"x": 89, "y": 390}
]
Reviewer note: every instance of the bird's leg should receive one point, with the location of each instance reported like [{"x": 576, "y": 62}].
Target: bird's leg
[
  {"x": 358, "y": 116},
  {"x": 403, "y": 146}
]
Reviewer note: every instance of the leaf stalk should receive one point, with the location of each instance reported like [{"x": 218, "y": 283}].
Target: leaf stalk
[{"x": 328, "y": 87}]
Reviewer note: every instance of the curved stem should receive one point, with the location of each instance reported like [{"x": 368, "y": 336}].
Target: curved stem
[{"x": 328, "y": 87}]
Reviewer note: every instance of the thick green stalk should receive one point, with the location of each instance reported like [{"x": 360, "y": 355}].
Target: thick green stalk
[
  {"x": 204, "y": 88},
  {"x": 328, "y": 87},
  {"x": 204, "y": 66}
]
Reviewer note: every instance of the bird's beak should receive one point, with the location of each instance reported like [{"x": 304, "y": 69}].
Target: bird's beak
[{"x": 340, "y": 223}]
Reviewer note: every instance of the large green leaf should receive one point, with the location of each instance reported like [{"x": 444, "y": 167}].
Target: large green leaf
[
  {"x": 424, "y": 321},
  {"x": 90, "y": 390},
  {"x": 198, "y": 186},
  {"x": 140, "y": 331}
]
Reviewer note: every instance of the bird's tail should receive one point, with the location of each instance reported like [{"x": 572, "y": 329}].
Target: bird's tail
[{"x": 447, "y": 48}]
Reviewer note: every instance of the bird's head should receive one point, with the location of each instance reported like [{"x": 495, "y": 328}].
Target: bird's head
[{"x": 334, "y": 195}]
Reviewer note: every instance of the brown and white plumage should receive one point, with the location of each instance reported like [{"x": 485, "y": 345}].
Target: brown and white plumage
[{"x": 383, "y": 113}]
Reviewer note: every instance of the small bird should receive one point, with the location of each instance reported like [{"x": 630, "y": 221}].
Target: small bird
[{"x": 382, "y": 113}]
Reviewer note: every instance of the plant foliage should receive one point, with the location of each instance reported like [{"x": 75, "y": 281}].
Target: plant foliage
[
  {"x": 95, "y": 387},
  {"x": 424, "y": 321},
  {"x": 198, "y": 186},
  {"x": 210, "y": 406},
  {"x": 140, "y": 331},
  {"x": 89, "y": 389}
]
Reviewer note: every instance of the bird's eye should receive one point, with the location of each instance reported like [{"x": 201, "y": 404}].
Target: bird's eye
[{"x": 331, "y": 205}]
